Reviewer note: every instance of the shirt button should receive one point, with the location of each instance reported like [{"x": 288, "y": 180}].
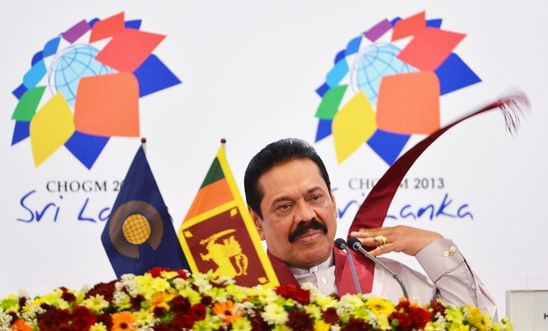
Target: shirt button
[
  {"x": 324, "y": 280},
  {"x": 450, "y": 251}
]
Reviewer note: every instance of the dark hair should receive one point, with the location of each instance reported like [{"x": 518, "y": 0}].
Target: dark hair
[{"x": 273, "y": 154}]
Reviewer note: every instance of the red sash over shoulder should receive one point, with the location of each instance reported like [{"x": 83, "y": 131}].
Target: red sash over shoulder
[{"x": 343, "y": 275}]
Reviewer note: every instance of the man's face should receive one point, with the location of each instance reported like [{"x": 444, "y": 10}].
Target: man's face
[{"x": 299, "y": 213}]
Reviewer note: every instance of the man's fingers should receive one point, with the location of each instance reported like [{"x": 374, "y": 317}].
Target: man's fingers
[
  {"x": 368, "y": 242},
  {"x": 382, "y": 249}
]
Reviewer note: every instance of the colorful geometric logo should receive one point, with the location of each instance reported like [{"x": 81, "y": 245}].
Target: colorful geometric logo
[
  {"x": 386, "y": 86},
  {"x": 84, "y": 87}
]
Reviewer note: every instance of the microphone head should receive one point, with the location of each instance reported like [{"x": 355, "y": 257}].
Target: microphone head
[
  {"x": 340, "y": 243},
  {"x": 354, "y": 243}
]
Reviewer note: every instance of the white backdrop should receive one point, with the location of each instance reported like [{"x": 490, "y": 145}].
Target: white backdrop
[{"x": 249, "y": 71}]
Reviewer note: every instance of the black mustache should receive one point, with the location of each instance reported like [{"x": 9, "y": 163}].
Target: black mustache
[{"x": 303, "y": 227}]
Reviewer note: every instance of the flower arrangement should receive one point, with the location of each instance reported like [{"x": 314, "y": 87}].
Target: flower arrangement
[{"x": 165, "y": 300}]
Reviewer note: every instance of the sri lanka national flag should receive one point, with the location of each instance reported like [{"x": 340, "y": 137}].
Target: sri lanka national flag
[
  {"x": 218, "y": 233},
  {"x": 139, "y": 233}
]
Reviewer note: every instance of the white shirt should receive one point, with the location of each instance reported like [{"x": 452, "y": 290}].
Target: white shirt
[{"x": 448, "y": 277}]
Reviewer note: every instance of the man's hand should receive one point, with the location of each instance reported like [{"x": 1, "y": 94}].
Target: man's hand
[{"x": 399, "y": 238}]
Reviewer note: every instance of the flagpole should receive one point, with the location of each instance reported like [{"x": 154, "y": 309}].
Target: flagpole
[
  {"x": 223, "y": 144},
  {"x": 144, "y": 144}
]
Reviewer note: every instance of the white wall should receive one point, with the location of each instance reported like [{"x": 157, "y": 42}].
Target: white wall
[{"x": 249, "y": 71}]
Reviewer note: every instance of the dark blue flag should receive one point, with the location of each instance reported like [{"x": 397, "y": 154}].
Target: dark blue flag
[{"x": 139, "y": 234}]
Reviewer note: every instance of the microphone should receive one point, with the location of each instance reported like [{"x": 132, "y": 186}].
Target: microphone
[
  {"x": 356, "y": 245},
  {"x": 341, "y": 244}
]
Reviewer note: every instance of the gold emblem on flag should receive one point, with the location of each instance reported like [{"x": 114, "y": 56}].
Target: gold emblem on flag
[
  {"x": 136, "y": 229},
  {"x": 228, "y": 255},
  {"x": 135, "y": 223}
]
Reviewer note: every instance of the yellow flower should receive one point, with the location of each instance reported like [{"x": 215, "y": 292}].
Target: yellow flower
[
  {"x": 207, "y": 324},
  {"x": 216, "y": 292},
  {"x": 477, "y": 319},
  {"x": 438, "y": 325},
  {"x": 160, "y": 299},
  {"x": 383, "y": 322},
  {"x": 98, "y": 327},
  {"x": 241, "y": 324},
  {"x": 460, "y": 327},
  {"x": 143, "y": 317},
  {"x": 380, "y": 306},
  {"x": 123, "y": 321},
  {"x": 192, "y": 296},
  {"x": 148, "y": 285},
  {"x": 10, "y": 304},
  {"x": 325, "y": 301},
  {"x": 454, "y": 315},
  {"x": 53, "y": 299},
  {"x": 320, "y": 325},
  {"x": 169, "y": 274},
  {"x": 505, "y": 325},
  {"x": 95, "y": 303},
  {"x": 314, "y": 311},
  {"x": 80, "y": 295},
  {"x": 237, "y": 292},
  {"x": 263, "y": 295}
]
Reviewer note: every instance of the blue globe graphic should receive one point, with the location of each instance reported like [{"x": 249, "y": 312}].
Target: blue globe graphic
[
  {"x": 372, "y": 64},
  {"x": 72, "y": 64}
]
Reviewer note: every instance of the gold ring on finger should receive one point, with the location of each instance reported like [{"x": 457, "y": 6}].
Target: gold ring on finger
[{"x": 381, "y": 240}]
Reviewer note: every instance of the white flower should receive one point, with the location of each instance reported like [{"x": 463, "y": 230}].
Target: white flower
[
  {"x": 180, "y": 284},
  {"x": 202, "y": 282},
  {"x": 226, "y": 280},
  {"x": 23, "y": 293},
  {"x": 309, "y": 286},
  {"x": 247, "y": 307},
  {"x": 348, "y": 303},
  {"x": 274, "y": 314},
  {"x": 32, "y": 311},
  {"x": 265, "y": 296},
  {"x": 129, "y": 282},
  {"x": 121, "y": 299},
  {"x": 5, "y": 321}
]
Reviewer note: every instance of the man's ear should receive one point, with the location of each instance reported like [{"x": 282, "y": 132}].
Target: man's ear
[{"x": 258, "y": 222}]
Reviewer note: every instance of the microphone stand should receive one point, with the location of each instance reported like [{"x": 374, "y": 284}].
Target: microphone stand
[
  {"x": 356, "y": 245},
  {"x": 341, "y": 244}
]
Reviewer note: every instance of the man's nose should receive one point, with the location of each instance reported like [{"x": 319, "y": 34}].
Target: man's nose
[{"x": 304, "y": 212}]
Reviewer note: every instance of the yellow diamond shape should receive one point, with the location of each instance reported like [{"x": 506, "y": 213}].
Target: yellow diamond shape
[
  {"x": 50, "y": 128},
  {"x": 353, "y": 125}
]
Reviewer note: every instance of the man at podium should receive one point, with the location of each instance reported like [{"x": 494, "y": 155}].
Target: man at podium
[{"x": 288, "y": 192}]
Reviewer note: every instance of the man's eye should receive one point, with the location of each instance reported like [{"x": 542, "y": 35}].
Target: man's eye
[
  {"x": 316, "y": 197},
  {"x": 283, "y": 208}
]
